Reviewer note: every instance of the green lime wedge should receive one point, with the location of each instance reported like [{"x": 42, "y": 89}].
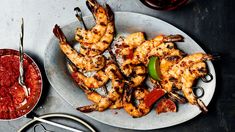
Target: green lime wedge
[{"x": 154, "y": 68}]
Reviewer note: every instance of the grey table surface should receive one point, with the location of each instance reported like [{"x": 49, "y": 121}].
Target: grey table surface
[{"x": 209, "y": 22}]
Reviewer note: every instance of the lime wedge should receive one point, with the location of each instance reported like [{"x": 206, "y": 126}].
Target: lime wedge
[{"x": 154, "y": 68}]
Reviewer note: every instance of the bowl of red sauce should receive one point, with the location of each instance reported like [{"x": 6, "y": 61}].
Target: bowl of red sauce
[{"x": 13, "y": 102}]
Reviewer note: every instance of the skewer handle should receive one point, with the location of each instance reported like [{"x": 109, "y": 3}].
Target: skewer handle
[{"x": 57, "y": 124}]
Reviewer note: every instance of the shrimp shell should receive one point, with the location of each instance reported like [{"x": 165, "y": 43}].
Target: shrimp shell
[
  {"x": 96, "y": 33},
  {"x": 141, "y": 109},
  {"x": 81, "y": 61}
]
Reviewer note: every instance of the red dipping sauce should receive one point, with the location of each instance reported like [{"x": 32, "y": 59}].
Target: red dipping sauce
[{"x": 13, "y": 102}]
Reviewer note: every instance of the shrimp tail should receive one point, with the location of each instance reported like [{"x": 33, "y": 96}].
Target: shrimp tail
[
  {"x": 91, "y": 5},
  {"x": 202, "y": 106},
  {"x": 208, "y": 57},
  {"x": 72, "y": 69},
  {"x": 110, "y": 13},
  {"x": 88, "y": 108},
  {"x": 59, "y": 33},
  {"x": 173, "y": 38}
]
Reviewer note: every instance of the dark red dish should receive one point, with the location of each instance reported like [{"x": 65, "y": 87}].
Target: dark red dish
[
  {"x": 11, "y": 93},
  {"x": 164, "y": 4}
]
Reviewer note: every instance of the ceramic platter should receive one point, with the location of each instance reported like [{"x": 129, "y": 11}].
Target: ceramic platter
[{"x": 126, "y": 23}]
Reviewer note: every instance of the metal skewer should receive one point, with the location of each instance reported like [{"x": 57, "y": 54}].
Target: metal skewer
[
  {"x": 79, "y": 17},
  {"x": 21, "y": 68}
]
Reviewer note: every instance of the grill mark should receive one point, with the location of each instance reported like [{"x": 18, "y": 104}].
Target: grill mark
[
  {"x": 95, "y": 31},
  {"x": 183, "y": 64},
  {"x": 111, "y": 32},
  {"x": 79, "y": 36},
  {"x": 128, "y": 66},
  {"x": 105, "y": 42},
  {"x": 141, "y": 74},
  {"x": 114, "y": 72},
  {"x": 170, "y": 46},
  {"x": 92, "y": 50},
  {"x": 103, "y": 24},
  {"x": 173, "y": 58},
  {"x": 190, "y": 62},
  {"x": 172, "y": 79},
  {"x": 98, "y": 78}
]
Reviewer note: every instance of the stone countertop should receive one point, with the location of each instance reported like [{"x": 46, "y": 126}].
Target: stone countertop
[{"x": 210, "y": 23}]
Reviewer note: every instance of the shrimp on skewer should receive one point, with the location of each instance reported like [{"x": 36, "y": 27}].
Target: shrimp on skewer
[
  {"x": 149, "y": 47},
  {"x": 82, "y": 62},
  {"x": 164, "y": 50},
  {"x": 130, "y": 108},
  {"x": 131, "y": 42},
  {"x": 169, "y": 60},
  {"x": 96, "y": 81},
  {"x": 112, "y": 70},
  {"x": 130, "y": 67},
  {"x": 99, "y": 79},
  {"x": 99, "y": 47},
  {"x": 187, "y": 80},
  {"x": 138, "y": 75},
  {"x": 187, "y": 62},
  {"x": 135, "y": 39},
  {"x": 101, "y": 103},
  {"x": 117, "y": 104},
  {"x": 169, "y": 56},
  {"x": 183, "y": 74},
  {"x": 96, "y": 33},
  {"x": 137, "y": 72}
]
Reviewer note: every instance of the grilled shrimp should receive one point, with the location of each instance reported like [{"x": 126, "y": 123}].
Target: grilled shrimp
[
  {"x": 135, "y": 39},
  {"x": 188, "y": 79},
  {"x": 169, "y": 60},
  {"x": 183, "y": 74},
  {"x": 189, "y": 76},
  {"x": 187, "y": 62},
  {"x": 117, "y": 104},
  {"x": 112, "y": 71},
  {"x": 175, "y": 70},
  {"x": 113, "y": 99},
  {"x": 142, "y": 51},
  {"x": 96, "y": 81},
  {"x": 169, "y": 57},
  {"x": 130, "y": 108},
  {"x": 135, "y": 70},
  {"x": 161, "y": 51},
  {"x": 137, "y": 76},
  {"x": 165, "y": 49},
  {"x": 102, "y": 103},
  {"x": 150, "y": 47},
  {"x": 81, "y": 62},
  {"x": 99, "y": 47},
  {"x": 131, "y": 42},
  {"x": 96, "y": 33},
  {"x": 132, "y": 67}
]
